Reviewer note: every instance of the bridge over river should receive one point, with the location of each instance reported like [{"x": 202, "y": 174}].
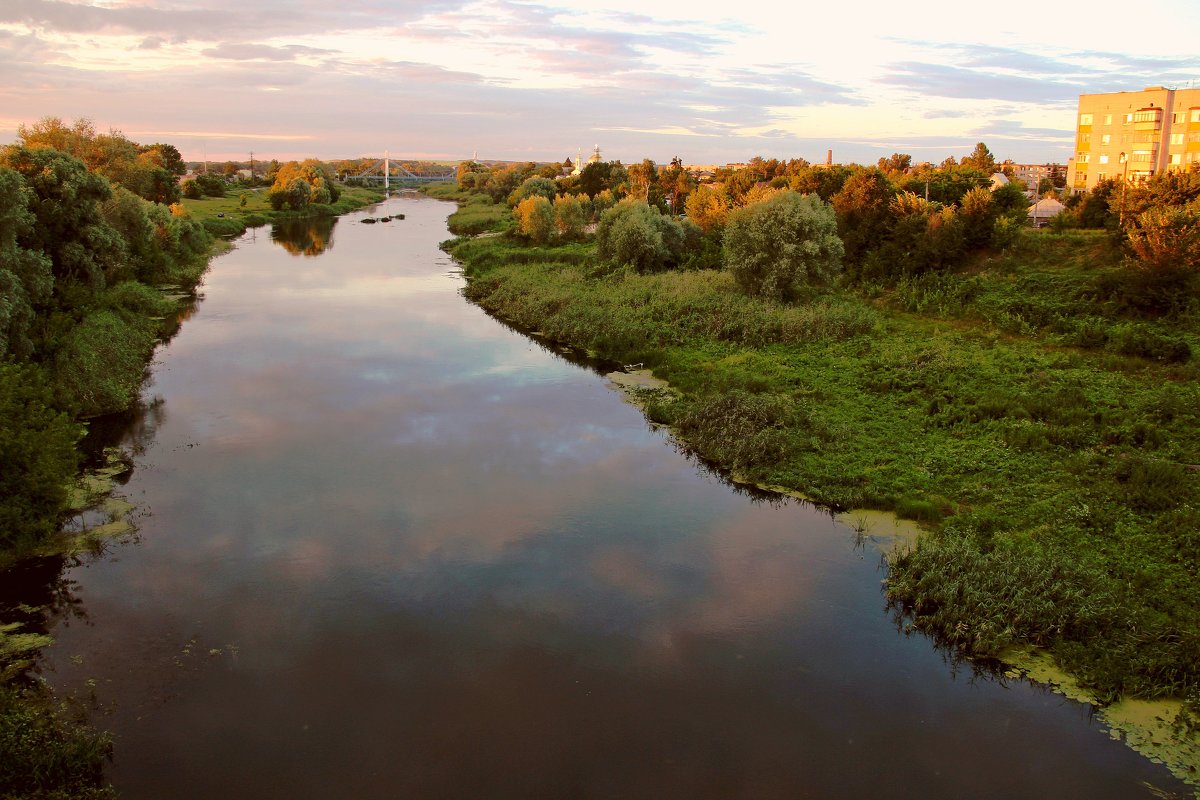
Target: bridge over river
[{"x": 388, "y": 174}]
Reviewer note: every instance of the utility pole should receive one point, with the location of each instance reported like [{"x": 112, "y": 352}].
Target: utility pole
[{"x": 252, "y": 166}]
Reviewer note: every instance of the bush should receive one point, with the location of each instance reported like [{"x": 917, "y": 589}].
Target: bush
[
  {"x": 738, "y": 430},
  {"x": 1132, "y": 339},
  {"x": 44, "y": 756},
  {"x": 775, "y": 246},
  {"x": 101, "y": 363}
]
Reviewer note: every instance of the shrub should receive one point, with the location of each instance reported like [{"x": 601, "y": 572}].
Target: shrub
[
  {"x": 739, "y": 430},
  {"x": 775, "y": 246},
  {"x": 101, "y": 363},
  {"x": 44, "y": 756}
]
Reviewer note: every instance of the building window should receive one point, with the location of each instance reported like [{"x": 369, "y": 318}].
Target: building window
[
  {"x": 1176, "y": 118},
  {"x": 1085, "y": 119},
  {"x": 1142, "y": 156},
  {"x": 1104, "y": 159},
  {"x": 1101, "y": 176},
  {"x": 1106, "y": 138},
  {"x": 1196, "y": 115},
  {"x": 1176, "y": 138},
  {"x": 1083, "y": 158},
  {"x": 1175, "y": 158},
  {"x": 1108, "y": 119},
  {"x": 1128, "y": 118},
  {"x": 1148, "y": 115},
  {"x": 1194, "y": 136},
  {"x": 1085, "y": 137}
]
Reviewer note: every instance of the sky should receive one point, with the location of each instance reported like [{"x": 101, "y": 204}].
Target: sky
[{"x": 542, "y": 81}]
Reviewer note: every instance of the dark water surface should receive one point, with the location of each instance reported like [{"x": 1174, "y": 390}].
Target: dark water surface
[{"x": 389, "y": 548}]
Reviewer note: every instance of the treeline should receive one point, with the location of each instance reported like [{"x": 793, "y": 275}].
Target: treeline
[
  {"x": 896, "y": 221},
  {"x": 85, "y": 236},
  {"x": 776, "y": 225}
]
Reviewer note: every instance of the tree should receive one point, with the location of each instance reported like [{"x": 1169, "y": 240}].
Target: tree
[
  {"x": 167, "y": 157},
  {"x": 65, "y": 201},
  {"x": 708, "y": 207},
  {"x": 533, "y": 186},
  {"x": 774, "y": 246},
  {"x": 642, "y": 178},
  {"x": 1163, "y": 273},
  {"x": 977, "y": 213},
  {"x": 26, "y": 279},
  {"x": 675, "y": 185},
  {"x": 53, "y": 133},
  {"x": 535, "y": 219},
  {"x": 980, "y": 159},
  {"x": 297, "y": 184},
  {"x": 923, "y": 237},
  {"x": 824, "y": 182},
  {"x": 570, "y": 216},
  {"x": 896, "y": 163},
  {"x": 601, "y": 175},
  {"x": 863, "y": 213},
  {"x": 632, "y": 234}
]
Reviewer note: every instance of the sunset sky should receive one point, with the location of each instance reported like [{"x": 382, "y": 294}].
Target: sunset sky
[{"x": 709, "y": 82}]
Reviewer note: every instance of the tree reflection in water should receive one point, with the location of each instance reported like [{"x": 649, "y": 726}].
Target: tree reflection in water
[{"x": 304, "y": 237}]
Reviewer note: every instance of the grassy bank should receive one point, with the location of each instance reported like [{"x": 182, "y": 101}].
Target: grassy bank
[
  {"x": 1046, "y": 434},
  {"x": 228, "y": 216}
]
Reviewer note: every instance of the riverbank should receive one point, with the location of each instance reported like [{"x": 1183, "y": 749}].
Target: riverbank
[
  {"x": 232, "y": 215},
  {"x": 1046, "y": 439},
  {"x": 47, "y": 749}
]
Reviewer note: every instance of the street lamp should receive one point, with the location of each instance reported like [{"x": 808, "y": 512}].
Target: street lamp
[{"x": 1124, "y": 159}]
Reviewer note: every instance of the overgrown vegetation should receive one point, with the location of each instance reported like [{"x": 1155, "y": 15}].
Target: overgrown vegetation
[
  {"x": 46, "y": 755},
  {"x": 1030, "y": 396}
]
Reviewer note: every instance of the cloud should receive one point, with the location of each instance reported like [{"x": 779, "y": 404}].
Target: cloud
[
  {"x": 941, "y": 80},
  {"x": 263, "y": 52},
  {"x": 1015, "y": 129}
]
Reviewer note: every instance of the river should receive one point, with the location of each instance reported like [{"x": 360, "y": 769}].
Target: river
[{"x": 388, "y": 547}]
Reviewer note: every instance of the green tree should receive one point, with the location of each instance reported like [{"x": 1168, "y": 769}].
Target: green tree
[
  {"x": 822, "y": 181},
  {"x": 632, "y": 234},
  {"x": 570, "y": 216},
  {"x": 601, "y": 175},
  {"x": 775, "y": 246},
  {"x": 26, "y": 276},
  {"x": 981, "y": 159},
  {"x": 863, "y": 212},
  {"x": 69, "y": 228},
  {"x": 166, "y": 156},
  {"x": 923, "y": 237},
  {"x": 977, "y": 213},
  {"x": 533, "y": 186}
]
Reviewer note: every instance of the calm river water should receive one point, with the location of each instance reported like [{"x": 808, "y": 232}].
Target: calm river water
[{"x": 390, "y": 548}]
